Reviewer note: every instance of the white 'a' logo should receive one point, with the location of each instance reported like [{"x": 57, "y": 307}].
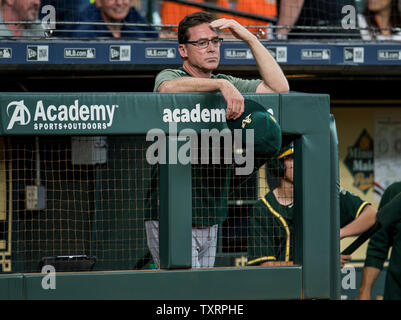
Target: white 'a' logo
[{"x": 21, "y": 114}]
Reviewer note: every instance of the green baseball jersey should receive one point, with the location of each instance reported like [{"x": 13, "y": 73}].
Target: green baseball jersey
[
  {"x": 242, "y": 85},
  {"x": 271, "y": 226},
  {"x": 379, "y": 245},
  {"x": 351, "y": 206},
  {"x": 270, "y": 231},
  {"x": 211, "y": 182}
]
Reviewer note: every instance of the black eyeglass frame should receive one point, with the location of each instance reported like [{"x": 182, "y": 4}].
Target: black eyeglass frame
[{"x": 207, "y": 41}]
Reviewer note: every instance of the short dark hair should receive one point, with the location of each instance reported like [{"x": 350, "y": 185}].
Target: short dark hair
[{"x": 192, "y": 20}]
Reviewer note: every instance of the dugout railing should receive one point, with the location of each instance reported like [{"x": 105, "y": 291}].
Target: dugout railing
[{"x": 306, "y": 117}]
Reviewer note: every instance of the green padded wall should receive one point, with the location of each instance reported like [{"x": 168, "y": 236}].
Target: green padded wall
[{"x": 303, "y": 115}]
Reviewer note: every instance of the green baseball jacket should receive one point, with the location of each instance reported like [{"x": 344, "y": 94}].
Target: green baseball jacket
[
  {"x": 379, "y": 245},
  {"x": 210, "y": 183},
  {"x": 271, "y": 225}
]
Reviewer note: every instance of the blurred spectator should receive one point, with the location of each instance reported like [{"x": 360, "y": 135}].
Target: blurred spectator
[
  {"x": 113, "y": 11},
  {"x": 313, "y": 13},
  {"x": 379, "y": 16},
  {"x": 149, "y": 9},
  {"x": 143, "y": 7},
  {"x": 267, "y": 8},
  {"x": 20, "y": 10},
  {"x": 172, "y": 13}
]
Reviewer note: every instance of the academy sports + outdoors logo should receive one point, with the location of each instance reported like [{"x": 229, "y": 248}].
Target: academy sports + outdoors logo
[
  {"x": 62, "y": 117},
  {"x": 93, "y": 117},
  {"x": 21, "y": 114}
]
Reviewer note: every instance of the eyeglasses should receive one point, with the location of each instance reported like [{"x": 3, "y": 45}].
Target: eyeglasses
[{"x": 204, "y": 43}]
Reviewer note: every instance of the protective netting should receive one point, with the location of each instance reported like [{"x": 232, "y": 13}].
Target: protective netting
[
  {"x": 155, "y": 19},
  {"x": 94, "y": 197}
]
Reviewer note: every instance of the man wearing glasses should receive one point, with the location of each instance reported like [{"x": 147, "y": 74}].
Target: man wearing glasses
[{"x": 199, "y": 47}]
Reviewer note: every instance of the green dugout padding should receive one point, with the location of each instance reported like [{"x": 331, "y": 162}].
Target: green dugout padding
[
  {"x": 122, "y": 118},
  {"x": 335, "y": 207},
  {"x": 310, "y": 119},
  {"x": 113, "y": 113},
  {"x": 11, "y": 287},
  {"x": 157, "y": 285}
]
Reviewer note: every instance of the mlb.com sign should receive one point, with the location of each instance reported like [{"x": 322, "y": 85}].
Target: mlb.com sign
[{"x": 76, "y": 116}]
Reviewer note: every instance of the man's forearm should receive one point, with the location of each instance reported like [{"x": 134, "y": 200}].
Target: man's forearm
[
  {"x": 274, "y": 80},
  {"x": 369, "y": 277},
  {"x": 273, "y": 77},
  {"x": 366, "y": 220},
  {"x": 233, "y": 98},
  {"x": 190, "y": 84}
]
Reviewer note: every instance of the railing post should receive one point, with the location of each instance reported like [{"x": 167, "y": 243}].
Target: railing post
[
  {"x": 335, "y": 214},
  {"x": 175, "y": 210}
]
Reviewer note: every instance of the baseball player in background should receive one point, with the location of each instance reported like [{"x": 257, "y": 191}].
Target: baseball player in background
[
  {"x": 377, "y": 252},
  {"x": 271, "y": 224}
]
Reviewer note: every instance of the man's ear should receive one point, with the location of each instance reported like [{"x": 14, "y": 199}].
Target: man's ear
[{"x": 182, "y": 49}]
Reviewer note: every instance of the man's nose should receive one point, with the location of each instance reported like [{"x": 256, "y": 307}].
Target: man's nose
[{"x": 211, "y": 46}]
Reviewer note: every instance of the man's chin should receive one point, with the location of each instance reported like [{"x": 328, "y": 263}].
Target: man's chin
[
  {"x": 211, "y": 65},
  {"x": 119, "y": 16}
]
